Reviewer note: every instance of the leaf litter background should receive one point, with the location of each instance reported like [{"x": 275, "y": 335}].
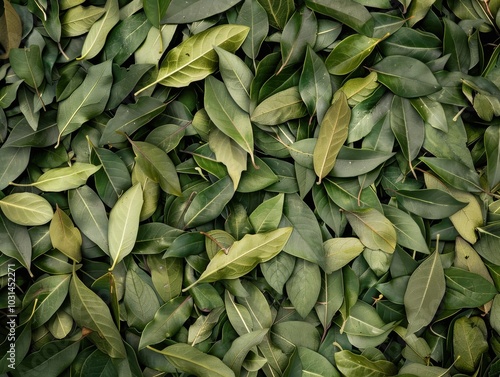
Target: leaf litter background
[{"x": 251, "y": 188}]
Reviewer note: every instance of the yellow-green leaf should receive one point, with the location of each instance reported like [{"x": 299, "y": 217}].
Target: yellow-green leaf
[
  {"x": 10, "y": 29},
  {"x": 26, "y": 208},
  {"x": 64, "y": 236},
  {"x": 332, "y": 135}
]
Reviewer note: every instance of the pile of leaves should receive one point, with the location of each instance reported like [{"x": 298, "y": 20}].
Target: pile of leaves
[{"x": 250, "y": 188}]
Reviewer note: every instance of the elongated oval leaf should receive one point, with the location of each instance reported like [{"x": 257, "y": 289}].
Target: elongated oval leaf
[
  {"x": 305, "y": 274},
  {"x": 350, "y": 53},
  {"x": 373, "y": 229},
  {"x": 96, "y": 37},
  {"x": 244, "y": 255},
  {"x": 167, "y": 321},
  {"x": 227, "y": 115},
  {"x": 193, "y": 361},
  {"x": 90, "y": 312},
  {"x": 406, "y": 77},
  {"x": 124, "y": 223},
  {"x": 15, "y": 242},
  {"x": 429, "y": 203},
  {"x": 454, "y": 173},
  {"x": 340, "y": 251},
  {"x": 280, "y": 107},
  {"x": 26, "y": 209},
  {"x": 332, "y": 135},
  {"x": 195, "y": 58},
  {"x": 88, "y": 100},
  {"x": 89, "y": 215},
  {"x": 209, "y": 203},
  {"x": 351, "y": 364},
  {"x": 65, "y": 236},
  {"x": 425, "y": 290}
]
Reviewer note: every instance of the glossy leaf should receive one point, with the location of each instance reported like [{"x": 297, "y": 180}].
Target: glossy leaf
[
  {"x": 406, "y": 77},
  {"x": 26, "y": 209},
  {"x": 332, "y": 135},
  {"x": 244, "y": 255},
  {"x": 195, "y": 58},
  {"x": 78, "y": 20},
  {"x": 350, "y": 53},
  {"x": 425, "y": 290},
  {"x": 280, "y": 107},
  {"x": 124, "y": 224},
  {"x": 88, "y": 100},
  {"x": 167, "y": 321}
]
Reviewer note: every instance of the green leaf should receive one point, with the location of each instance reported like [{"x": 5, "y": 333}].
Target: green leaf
[
  {"x": 330, "y": 297},
  {"x": 26, "y": 209},
  {"x": 465, "y": 289},
  {"x": 90, "y": 312},
  {"x": 240, "y": 347},
  {"x": 50, "y": 292},
  {"x": 305, "y": 241},
  {"x": 157, "y": 166},
  {"x": 340, "y": 251},
  {"x": 267, "y": 215},
  {"x": 291, "y": 334},
  {"x": 89, "y": 215},
  {"x": 155, "y": 10},
  {"x": 78, "y": 20},
  {"x": 426, "y": 288},
  {"x": 201, "y": 329},
  {"x": 456, "y": 45},
  {"x": 195, "y": 58},
  {"x": 349, "y": 12},
  {"x": 15, "y": 242},
  {"x": 253, "y": 15},
  {"x": 278, "y": 270},
  {"x": 67, "y": 178},
  {"x": 244, "y": 255},
  {"x": 113, "y": 178},
  {"x": 227, "y": 115},
  {"x": 209, "y": 203},
  {"x": 14, "y": 162},
  {"x": 429, "y": 203},
  {"x": 352, "y": 162},
  {"x": 348, "y": 54},
  {"x": 180, "y": 12},
  {"x": 96, "y": 38},
  {"x": 129, "y": 118},
  {"x": 491, "y": 142},
  {"x": 303, "y": 286},
  {"x": 406, "y": 77},
  {"x": 124, "y": 224},
  {"x": 298, "y": 33},
  {"x": 373, "y": 229},
  {"x": 408, "y": 232},
  {"x": 87, "y": 101},
  {"x": 27, "y": 65},
  {"x": 431, "y": 112},
  {"x": 237, "y": 77},
  {"x": 469, "y": 343},
  {"x": 314, "y": 364},
  {"x": 54, "y": 357},
  {"x": 314, "y": 93},
  {"x": 278, "y": 12},
  {"x": 332, "y": 135},
  {"x": 192, "y": 361},
  {"x": 418, "y": 10},
  {"x": 417, "y": 44},
  {"x": 455, "y": 173},
  {"x": 167, "y": 321},
  {"x": 64, "y": 236},
  {"x": 350, "y": 364},
  {"x": 280, "y": 107},
  {"x": 408, "y": 128}
]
